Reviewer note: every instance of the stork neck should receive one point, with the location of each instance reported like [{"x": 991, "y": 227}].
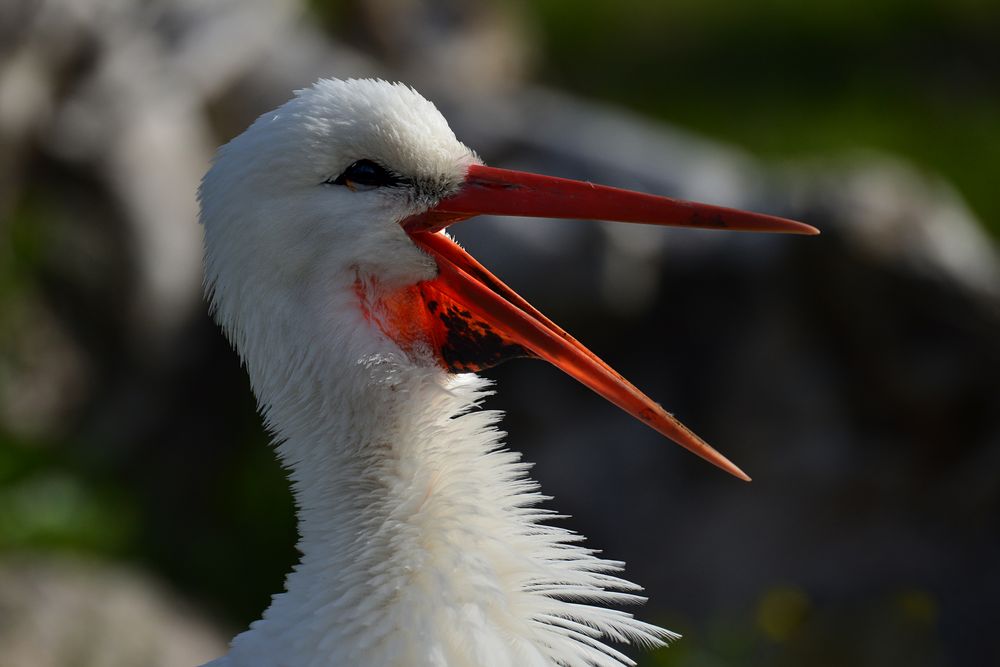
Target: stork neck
[
  {"x": 421, "y": 541},
  {"x": 403, "y": 505}
]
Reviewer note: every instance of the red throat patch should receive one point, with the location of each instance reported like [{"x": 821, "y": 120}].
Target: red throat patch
[{"x": 426, "y": 318}]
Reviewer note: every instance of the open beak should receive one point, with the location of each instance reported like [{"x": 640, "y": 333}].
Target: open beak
[{"x": 474, "y": 320}]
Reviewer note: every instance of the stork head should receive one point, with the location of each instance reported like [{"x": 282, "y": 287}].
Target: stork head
[
  {"x": 350, "y": 184},
  {"x": 320, "y": 184}
]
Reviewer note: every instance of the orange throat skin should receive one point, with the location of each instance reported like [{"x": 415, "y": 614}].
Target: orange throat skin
[{"x": 427, "y": 319}]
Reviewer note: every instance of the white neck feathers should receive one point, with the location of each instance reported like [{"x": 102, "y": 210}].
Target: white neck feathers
[{"x": 421, "y": 537}]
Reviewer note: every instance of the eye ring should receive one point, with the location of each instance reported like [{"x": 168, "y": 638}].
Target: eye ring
[{"x": 365, "y": 174}]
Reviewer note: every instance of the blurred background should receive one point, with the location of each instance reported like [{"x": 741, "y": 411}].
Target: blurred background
[{"x": 855, "y": 376}]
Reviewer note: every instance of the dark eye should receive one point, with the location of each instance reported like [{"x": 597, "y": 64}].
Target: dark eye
[{"x": 366, "y": 174}]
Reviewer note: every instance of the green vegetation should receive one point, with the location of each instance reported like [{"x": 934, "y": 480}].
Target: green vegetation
[{"x": 788, "y": 79}]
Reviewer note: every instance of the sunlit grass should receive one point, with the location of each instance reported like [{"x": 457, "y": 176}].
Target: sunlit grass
[{"x": 788, "y": 79}]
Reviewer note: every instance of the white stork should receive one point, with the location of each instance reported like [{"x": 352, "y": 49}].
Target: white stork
[{"x": 361, "y": 325}]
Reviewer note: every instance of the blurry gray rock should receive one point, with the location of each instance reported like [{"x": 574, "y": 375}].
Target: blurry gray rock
[{"x": 57, "y": 612}]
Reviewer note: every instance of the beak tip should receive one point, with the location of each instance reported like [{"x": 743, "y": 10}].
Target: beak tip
[{"x": 735, "y": 471}]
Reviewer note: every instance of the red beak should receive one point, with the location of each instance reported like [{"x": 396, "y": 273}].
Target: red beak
[
  {"x": 492, "y": 191},
  {"x": 473, "y": 320}
]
